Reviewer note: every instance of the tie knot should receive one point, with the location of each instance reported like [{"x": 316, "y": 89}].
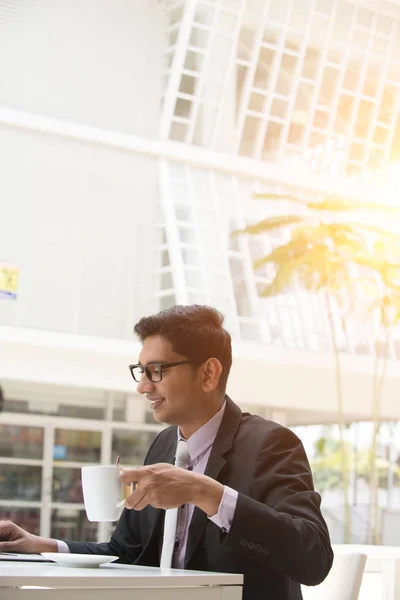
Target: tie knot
[{"x": 182, "y": 454}]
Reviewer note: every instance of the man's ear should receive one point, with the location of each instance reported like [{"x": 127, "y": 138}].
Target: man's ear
[{"x": 212, "y": 370}]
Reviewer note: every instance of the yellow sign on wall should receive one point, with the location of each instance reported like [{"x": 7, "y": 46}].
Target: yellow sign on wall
[{"x": 9, "y": 275}]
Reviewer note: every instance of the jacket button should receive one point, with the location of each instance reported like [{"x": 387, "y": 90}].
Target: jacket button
[
  {"x": 258, "y": 548},
  {"x": 243, "y": 542},
  {"x": 251, "y": 545},
  {"x": 265, "y": 551}
]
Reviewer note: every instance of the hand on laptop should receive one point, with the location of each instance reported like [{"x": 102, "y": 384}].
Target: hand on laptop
[{"x": 16, "y": 539}]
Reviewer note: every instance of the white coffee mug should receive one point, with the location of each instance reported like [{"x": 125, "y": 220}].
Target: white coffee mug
[{"x": 102, "y": 492}]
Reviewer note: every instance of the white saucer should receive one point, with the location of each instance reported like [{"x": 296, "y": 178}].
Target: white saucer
[{"x": 79, "y": 560}]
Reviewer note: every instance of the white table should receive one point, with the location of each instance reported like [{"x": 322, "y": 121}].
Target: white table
[
  {"x": 45, "y": 581},
  {"x": 381, "y": 579}
]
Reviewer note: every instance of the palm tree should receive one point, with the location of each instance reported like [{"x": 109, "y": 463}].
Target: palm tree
[
  {"x": 385, "y": 308},
  {"x": 322, "y": 253}
]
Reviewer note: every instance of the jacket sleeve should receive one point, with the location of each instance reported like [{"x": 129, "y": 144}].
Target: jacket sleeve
[
  {"x": 125, "y": 542},
  {"x": 281, "y": 525}
]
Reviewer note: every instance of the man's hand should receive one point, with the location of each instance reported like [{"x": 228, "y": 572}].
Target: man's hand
[
  {"x": 165, "y": 486},
  {"x": 16, "y": 539}
]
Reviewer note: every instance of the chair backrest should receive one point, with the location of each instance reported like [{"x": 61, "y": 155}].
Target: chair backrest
[{"x": 343, "y": 581}]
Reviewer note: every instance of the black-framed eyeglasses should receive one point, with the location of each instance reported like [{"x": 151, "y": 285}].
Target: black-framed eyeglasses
[{"x": 154, "y": 371}]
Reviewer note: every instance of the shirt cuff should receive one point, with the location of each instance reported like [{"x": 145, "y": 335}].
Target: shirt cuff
[
  {"x": 62, "y": 546},
  {"x": 226, "y": 510}
]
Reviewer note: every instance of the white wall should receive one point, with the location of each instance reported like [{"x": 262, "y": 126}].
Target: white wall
[
  {"x": 88, "y": 61},
  {"x": 79, "y": 219},
  {"x": 74, "y": 217}
]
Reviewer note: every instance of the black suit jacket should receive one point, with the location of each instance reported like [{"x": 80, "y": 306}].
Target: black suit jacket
[{"x": 278, "y": 538}]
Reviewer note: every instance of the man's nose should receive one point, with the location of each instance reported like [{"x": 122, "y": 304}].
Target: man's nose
[{"x": 145, "y": 385}]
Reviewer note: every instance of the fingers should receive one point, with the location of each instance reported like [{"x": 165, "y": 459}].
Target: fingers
[
  {"x": 10, "y": 546},
  {"x": 132, "y": 475},
  {"x": 136, "y": 500}
]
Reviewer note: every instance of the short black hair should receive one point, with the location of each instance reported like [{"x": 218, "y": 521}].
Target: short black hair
[{"x": 194, "y": 331}]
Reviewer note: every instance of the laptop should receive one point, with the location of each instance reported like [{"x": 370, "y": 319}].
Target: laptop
[{"x": 23, "y": 557}]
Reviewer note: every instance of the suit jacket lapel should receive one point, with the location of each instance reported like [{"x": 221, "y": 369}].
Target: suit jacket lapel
[{"x": 222, "y": 444}]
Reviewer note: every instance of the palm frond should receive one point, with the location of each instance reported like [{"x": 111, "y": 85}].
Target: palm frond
[
  {"x": 340, "y": 204},
  {"x": 269, "y": 224},
  {"x": 281, "y": 198}
]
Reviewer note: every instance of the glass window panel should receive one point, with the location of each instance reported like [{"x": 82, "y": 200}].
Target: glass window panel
[
  {"x": 219, "y": 284},
  {"x": 279, "y": 108},
  {"x": 324, "y": 6},
  {"x": 131, "y": 446},
  {"x": 387, "y": 104},
  {"x": 27, "y": 518},
  {"x": 20, "y": 482},
  {"x": 206, "y": 218},
  {"x": 204, "y": 14},
  {"x": 272, "y": 139},
  {"x": 319, "y": 30},
  {"x": 193, "y": 60},
  {"x": 67, "y": 485},
  {"x": 372, "y": 77},
  {"x": 241, "y": 74},
  {"x": 227, "y": 22},
  {"x": 351, "y": 76},
  {"x": 257, "y": 102},
  {"x": 360, "y": 38},
  {"x": 188, "y": 84},
  {"x": 183, "y": 212},
  {"x": 296, "y": 134},
  {"x": 183, "y": 108},
  {"x": 190, "y": 256},
  {"x": 250, "y": 331},
  {"x": 198, "y": 38},
  {"x": 18, "y": 441},
  {"x": 194, "y": 278},
  {"x": 186, "y": 234},
  {"x": 335, "y": 53},
  {"x": 364, "y": 117},
  {"x": 304, "y": 97},
  {"x": 75, "y": 445},
  {"x": 321, "y": 119},
  {"x": 310, "y": 63},
  {"x": 328, "y": 86},
  {"x": 343, "y": 114},
  {"x": 395, "y": 151},
  {"x": 299, "y": 15},
  {"x": 375, "y": 158},
  {"x": 264, "y": 67},
  {"x": 249, "y": 136},
  {"x": 166, "y": 282},
  {"x": 379, "y": 45},
  {"x": 180, "y": 192},
  {"x": 380, "y": 135},
  {"x": 195, "y": 298},
  {"x": 165, "y": 260},
  {"x": 383, "y": 24},
  {"x": 167, "y": 301},
  {"x": 364, "y": 17},
  {"x": 72, "y": 524},
  {"x": 277, "y": 11},
  {"x": 357, "y": 152},
  {"x": 178, "y": 131}
]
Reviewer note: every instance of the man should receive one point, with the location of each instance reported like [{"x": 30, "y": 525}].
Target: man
[{"x": 247, "y": 499}]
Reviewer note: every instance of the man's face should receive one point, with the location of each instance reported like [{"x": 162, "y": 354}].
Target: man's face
[{"x": 176, "y": 399}]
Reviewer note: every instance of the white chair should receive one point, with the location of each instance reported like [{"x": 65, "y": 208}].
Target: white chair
[{"x": 343, "y": 581}]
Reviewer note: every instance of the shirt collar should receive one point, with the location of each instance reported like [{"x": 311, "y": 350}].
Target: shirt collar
[{"x": 204, "y": 437}]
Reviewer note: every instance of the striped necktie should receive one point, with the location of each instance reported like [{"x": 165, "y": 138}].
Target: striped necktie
[{"x": 171, "y": 515}]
